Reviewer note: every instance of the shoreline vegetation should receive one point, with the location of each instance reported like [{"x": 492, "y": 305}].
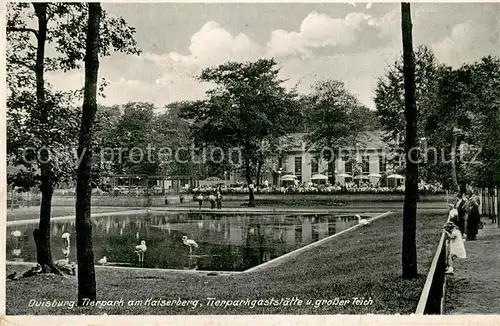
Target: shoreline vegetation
[{"x": 362, "y": 265}]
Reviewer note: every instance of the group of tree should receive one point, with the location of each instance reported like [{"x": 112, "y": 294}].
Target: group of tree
[
  {"x": 44, "y": 37},
  {"x": 418, "y": 98},
  {"x": 250, "y": 109},
  {"x": 458, "y": 114},
  {"x": 248, "y": 116},
  {"x": 143, "y": 139}
]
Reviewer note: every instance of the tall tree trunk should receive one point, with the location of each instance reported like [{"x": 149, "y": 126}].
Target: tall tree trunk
[
  {"x": 453, "y": 165},
  {"x": 42, "y": 238},
  {"x": 248, "y": 176},
  {"x": 84, "y": 248},
  {"x": 409, "y": 256},
  {"x": 259, "y": 172}
]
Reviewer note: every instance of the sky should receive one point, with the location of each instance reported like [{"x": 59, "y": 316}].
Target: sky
[{"x": 311, "y": 42}]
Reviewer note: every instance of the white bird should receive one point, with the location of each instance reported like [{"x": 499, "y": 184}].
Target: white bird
[
  {"x": 368, "y": 5},
  {"x": 142, "y": 247},
  {"x": 66, "y": 237},
  {"x": 140, "y": 250},
  {"x": 361, "y": 220},
  {"x": 16, "y": 234},
  {"x": 189, "y": 242},
  {"x": 103, "y": 260}
]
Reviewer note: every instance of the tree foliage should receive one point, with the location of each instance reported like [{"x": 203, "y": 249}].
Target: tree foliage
[
  {"x": 55, "y": 124},
  {"x": 47, "y": 121},
  {"x": 247, "y": 108},
  {"x": 483, "y": 103},
  {"x": 129, "y": 138},
  {"x": 457, "y": 108},
  {"x": 389, "y": 94},
  {"x": 335, "y": 118}
]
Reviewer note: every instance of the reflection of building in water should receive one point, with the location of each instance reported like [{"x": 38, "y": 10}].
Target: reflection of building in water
[
  {"x": 266, "y": 256},
  {"x": 108, "y": 225},
  {"x": 267, "y": 230},
  {"x": 306, "y": 231},
  {"x": 54, "y": 230},
  {"x": 322, "y": 229},
  {"x": 212, "y": 225},
  {"x": 331, "y": 226},
  {"x": 235, "y": 233},
  {"x": 298, "y": 233},
  {"x": 290, "y": 234},
  {"x": 341, "y": 224}
]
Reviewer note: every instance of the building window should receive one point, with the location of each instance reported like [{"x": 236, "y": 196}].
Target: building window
[
  {"x": 298, "y": 165},
  {"x": 365, "y": 167},
  {"x": 331, "y": 168},
  {"x": 347, "y": 164},
  {"x": 382, "y": 164},
  {"x": 314, "y": 165}
]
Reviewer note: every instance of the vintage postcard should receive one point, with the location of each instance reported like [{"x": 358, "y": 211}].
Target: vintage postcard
[{"x": 250, "y": 163}]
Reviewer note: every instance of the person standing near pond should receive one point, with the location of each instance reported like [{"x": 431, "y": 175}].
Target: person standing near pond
[
  {"x": 211, "y": 197},
  {"x": 474, "y": 218},
  {"x": 218, "y": 198},
  {"x": 200, "y": 200}
]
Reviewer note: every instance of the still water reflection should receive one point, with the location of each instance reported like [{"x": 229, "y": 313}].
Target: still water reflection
[{"x": 225, "y": 242}]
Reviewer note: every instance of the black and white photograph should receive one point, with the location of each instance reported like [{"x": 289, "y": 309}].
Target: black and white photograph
[{"x": 266, "y": 159}]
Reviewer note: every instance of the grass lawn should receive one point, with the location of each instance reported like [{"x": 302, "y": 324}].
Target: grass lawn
[
  {"x": 34, "y": 212},
  {"x": 363, "y": 263}
]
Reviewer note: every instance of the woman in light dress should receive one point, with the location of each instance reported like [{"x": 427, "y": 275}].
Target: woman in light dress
[{"x": 455, "y": 245}]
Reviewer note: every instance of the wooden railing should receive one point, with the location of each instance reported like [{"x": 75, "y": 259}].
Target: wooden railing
[{"x": 433, "y": 294}]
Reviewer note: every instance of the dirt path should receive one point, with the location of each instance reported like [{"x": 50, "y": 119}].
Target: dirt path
[{"x": 475, "y": 287}]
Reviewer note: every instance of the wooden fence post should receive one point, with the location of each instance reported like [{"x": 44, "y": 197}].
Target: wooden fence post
[
  {"x": 498, "y": 207},
  {"x": 483, "y": 202},
  {"x": 497, "y": 217},
  {"x": 488, "y": 199},
  {"x": 492, "y": 203}
]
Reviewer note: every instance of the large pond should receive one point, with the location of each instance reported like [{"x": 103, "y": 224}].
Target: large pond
[{"x": 226, "y": 242}]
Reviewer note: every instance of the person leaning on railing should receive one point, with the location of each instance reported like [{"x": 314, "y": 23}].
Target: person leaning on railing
[{"x": 455, "y": 248}]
